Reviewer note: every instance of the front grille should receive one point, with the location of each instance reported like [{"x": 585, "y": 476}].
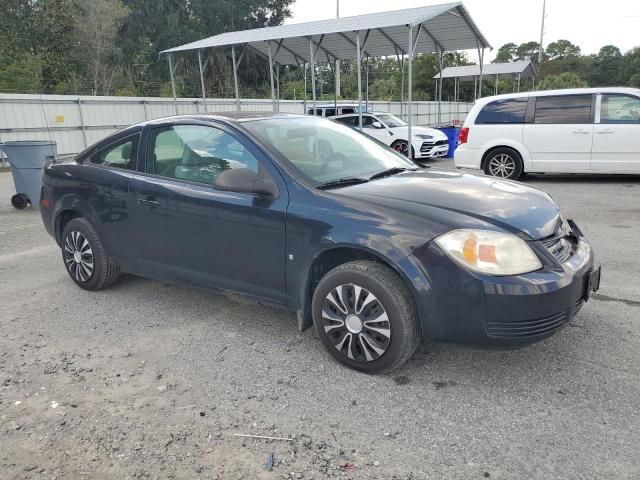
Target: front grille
[
  {"x": 427, "y": 146},
  {"x": 560, "y": 244}
]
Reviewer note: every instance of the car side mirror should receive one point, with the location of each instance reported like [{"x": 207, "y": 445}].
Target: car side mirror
[
  {"x": 377, "y": 124},
  {"x": 243, "y": 180}
]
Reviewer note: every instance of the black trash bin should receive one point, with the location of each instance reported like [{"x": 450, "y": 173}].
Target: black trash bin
[{"x": 28, "y": 159}]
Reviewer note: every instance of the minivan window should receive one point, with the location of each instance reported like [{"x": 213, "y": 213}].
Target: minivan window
[
  {"x": 620, "y": 109},
  {"x": 503, "y": 111},
  {"x": 566, "y": 109}
]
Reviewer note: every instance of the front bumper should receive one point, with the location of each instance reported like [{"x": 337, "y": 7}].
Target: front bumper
[
  {"x": 461, "y": 306},
  {"x": 424, "y": 149}
]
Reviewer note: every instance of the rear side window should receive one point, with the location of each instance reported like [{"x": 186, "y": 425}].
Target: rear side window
[
  {"x": 565, "y": 109},
  {"x": 503, "y": 111},
  {"x": 351, "y": 121},
  {"x": 122, "y": 154},
  {"x": 348, "y": 110}
]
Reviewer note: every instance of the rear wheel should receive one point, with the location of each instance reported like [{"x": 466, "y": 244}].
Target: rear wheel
[
  {"x": 364, "y": 316},
  {"x": 19, "y": 201},
  {"x": 504, "y": 163},
  {"x": 84, "y": 256}
]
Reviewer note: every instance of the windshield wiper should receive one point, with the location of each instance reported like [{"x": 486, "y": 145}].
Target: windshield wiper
[
  {"x": 342, "y": 182},
  {"x": 389, "y": 172}
]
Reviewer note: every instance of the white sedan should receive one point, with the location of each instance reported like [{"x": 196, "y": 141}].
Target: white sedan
[{"x": 392, "y": 131}]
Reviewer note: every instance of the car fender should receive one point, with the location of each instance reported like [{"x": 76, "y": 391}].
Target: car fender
[{"x": 72, "y": 202}]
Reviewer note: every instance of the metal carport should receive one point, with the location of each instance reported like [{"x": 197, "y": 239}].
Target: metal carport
[
  {"x": 436, "y": 28},
  {"x": 517, "y": 70}
]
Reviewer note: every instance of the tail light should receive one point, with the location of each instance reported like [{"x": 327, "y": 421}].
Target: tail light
[{"x": 463, "y": 137}]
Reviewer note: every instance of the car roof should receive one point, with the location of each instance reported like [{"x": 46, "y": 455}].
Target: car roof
[
  {"x": 228, "y": 117},
  {"x": 565, "y": 91}
]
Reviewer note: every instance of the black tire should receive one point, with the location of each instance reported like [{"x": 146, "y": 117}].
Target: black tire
[
  {"x": 103, "y": 272},
  {"x": 393, "y": 300},
  {"x": 509, "y": 158},
  {"x": 19, "y": 201}
]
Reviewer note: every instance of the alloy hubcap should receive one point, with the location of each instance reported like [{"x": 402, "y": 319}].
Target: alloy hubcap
[
  {"x": 502, "y": 165},
  {"x": 78, "y": 256},
  {"x": 356, "y": 323}
]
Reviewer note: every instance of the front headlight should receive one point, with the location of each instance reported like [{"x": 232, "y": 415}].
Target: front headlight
[
  {"x": 491, "y": 253},
  {"x": 423, "y": 136}
]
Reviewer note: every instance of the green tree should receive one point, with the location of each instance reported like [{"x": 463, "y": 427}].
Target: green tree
[
  {"x": 563, "y": 80},
  {"x": 562, "y": 49},
  {"x": 506, "y": 53},
  {"x": 528, "y": 51}
]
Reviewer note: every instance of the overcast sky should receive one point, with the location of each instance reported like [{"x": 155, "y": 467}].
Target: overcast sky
[{"x": 587, "y": 23}]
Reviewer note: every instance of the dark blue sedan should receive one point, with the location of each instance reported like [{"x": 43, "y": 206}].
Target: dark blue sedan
[{"x": 311, "y": 216}]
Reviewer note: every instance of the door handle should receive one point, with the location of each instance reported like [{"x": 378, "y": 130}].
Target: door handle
[
  {"x": 581, "y": 131},
  {"x": 148, "y": 202},
  {"x": 604, "y": 132}
]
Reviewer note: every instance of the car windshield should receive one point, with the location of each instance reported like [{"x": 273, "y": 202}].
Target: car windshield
[
  {"x": 392, "y": 121},
  {"x": 325, "y": 151}
]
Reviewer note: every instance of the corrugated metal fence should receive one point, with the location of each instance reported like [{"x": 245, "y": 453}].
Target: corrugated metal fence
[{"x": 75, "y": 122}]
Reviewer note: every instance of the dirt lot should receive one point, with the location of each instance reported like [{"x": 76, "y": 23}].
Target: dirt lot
[{"x": 149, "y": 380}]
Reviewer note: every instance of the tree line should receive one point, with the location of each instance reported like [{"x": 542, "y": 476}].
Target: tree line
[{"x": 111, "y": 47}]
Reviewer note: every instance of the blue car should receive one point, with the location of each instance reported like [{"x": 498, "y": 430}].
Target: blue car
[{"x": 306, "y": 214}]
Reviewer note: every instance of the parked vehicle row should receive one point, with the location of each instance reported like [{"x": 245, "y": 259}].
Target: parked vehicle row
[
  {"x": 309, "y": 215},
  {"x": 562, "y": 131},
  {"x": 426, "y": 142}
]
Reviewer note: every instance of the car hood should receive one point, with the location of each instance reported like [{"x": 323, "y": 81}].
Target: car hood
[
  {"x": 404, "y": 131},
  {"x": 504, "y": 204}
]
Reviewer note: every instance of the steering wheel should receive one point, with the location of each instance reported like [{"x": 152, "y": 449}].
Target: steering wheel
[{"x": 327, "y": 155}]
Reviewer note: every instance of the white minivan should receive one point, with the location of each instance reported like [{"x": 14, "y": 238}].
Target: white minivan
[{"x": 582, "y": 130}]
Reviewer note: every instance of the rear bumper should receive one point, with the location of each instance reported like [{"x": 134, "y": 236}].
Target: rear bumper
[
  {"x": 467, "y": 157},
  {"x": 500, "y": 312}
]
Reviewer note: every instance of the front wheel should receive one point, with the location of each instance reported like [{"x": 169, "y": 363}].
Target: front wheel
[
  {"x": 504, "y": 163},
  {"x": 84, "y": 256},
  {"x": 401, "y": 146},
  {"x": 364, "y": 316}
]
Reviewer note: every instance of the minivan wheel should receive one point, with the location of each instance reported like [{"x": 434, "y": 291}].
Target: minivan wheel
[
  {"x": 364, "y": 316},
  {"x": 504, "y": 163},
  {"x": 84, "y": 256}
]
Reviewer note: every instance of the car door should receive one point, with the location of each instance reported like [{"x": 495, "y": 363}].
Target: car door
[
  {"x": 616, "y": 141},
  {"x": 189, "y": 231},
  {"x": 560, "y": 134}
]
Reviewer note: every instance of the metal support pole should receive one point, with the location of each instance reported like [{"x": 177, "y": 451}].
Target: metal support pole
[
  {"x": 519, "y": 75},
  {"x": 359, "y": 66},
  {"x": 313, "y": 74},
  {"x": 402, "y": 88},
  {"x": 273, "y": 89},
  {"x": 366, "y": 95},
  {"x": 277, "y": 87},
  {"x": 475, "y": 88},
  {"x": 481, "y": 63},
  {"x": 144, "y": 106},
  {"x": 495, "y": 87},
  {"x": 173, "y": 82},
  {"x": 84, "y": 133},
  {"x": 204, "y": 93},
  {"x": 304, "y": 102},
  {"x": 440, "y": 65},
  {"x": 235, "y": 76},
  {"x": 410, "y": 90}
]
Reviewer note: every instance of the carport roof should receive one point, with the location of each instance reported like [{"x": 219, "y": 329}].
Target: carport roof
[
  {"x": 469, "y": 72},
  {"x": 445, "y": 27}
]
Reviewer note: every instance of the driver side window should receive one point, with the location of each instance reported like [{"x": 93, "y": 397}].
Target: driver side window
[{"x": 197, "y": 153}]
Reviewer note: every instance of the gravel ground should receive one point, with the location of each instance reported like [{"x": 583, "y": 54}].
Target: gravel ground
[{"x": 150, "y": 380}]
